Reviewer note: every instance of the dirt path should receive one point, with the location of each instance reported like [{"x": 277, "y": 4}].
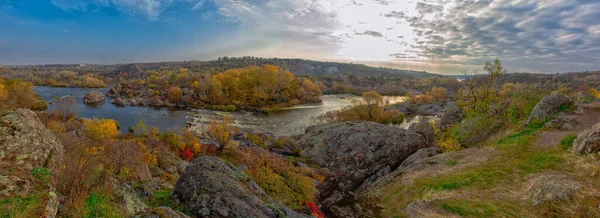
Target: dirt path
[{"x": 587, "y": 116}]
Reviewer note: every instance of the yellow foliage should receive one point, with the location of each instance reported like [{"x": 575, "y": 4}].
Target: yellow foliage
[
  {"x": 94, "y": 150},
  {"x": 100, "y": 129},
  {"x": 595, "y": 93},
  {"x": 221, "y": 131},
  {"x": 450, "y": 144},
  {"x": 94, "y": 83},
  {"x": 3, "y": 91}
]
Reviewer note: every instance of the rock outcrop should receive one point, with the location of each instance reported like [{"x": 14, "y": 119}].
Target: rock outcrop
[
  {"x": 452, "y": 116},
  {"x": 93, "y": 97},
  {"x": 563, "y": 122},
  {"x": 25, "y": 142},
  {"x": 548, "y": 188},
  {"x": 547, "y": 107},
  {"x": 26, "y": 146},
  {"x": 210, "y": 187},
  {"x": 355, "y": 154},
  {"x": 425, "y": 129},
  {"x": 588, "y": 141}
]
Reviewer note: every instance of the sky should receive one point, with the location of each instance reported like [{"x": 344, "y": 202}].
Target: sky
[{"x": 438, "y": 36}]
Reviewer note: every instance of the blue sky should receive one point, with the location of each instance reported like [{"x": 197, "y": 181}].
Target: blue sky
[{"x": 440, "y": 36}]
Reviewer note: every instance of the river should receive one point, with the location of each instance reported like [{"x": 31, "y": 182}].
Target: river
[{"x": 288, "y": 121}]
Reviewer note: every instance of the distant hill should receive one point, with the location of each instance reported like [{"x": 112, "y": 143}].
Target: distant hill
[{"x": 297, "y": 66}]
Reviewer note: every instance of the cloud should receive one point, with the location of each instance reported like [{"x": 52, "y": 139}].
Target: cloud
[
  {"x": 543, "y": 36},
  {"x": 371, "y": 33}
]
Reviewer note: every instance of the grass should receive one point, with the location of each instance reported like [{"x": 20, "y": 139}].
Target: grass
[
  {"x": 41, "y": 174},
  {"x": 515, "y": 159},
  {"x": 161, "y": 198},
  {"x": 452, "y": 162},
  {"x": 29, "y": 206},
  {"x": 98, "y": 205},
  {"x": 567, "y": 141}
]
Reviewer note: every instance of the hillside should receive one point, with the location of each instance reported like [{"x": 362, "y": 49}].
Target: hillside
[{"x": 297, "y": 66}]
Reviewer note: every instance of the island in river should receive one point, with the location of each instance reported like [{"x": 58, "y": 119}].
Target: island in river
[{"x": 286, "y": 121}]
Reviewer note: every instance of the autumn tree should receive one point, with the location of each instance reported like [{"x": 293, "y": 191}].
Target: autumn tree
[
  {"x": 100, "y": 129},
  {"x": 221, "y": 131}
]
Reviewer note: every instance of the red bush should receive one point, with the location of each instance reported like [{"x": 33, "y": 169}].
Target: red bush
[
  {"x": 314, "y": 210},
  {"x": 187, "y": 154}
]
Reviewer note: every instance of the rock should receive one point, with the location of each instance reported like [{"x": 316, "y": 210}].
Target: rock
[
  {"x": 161, "y": 212},
  {"x": 119, "y": 101},
  {"x": 425, "y": 129},
  {"x": 13, "y": 186},
  {"x": 114, "y": 91},
  {"x": 452, "y": 116},
  {"x": 425, "y": 209},
  {"x": 588, "y": 141},
  {"x": 549, "y": 188},
  {"x": 129, "y": 71},
  {"x": 157, "y": 184},
  {"x": 25, "y": 145},
  {"x": 171, "y": 163},
  {"x": 563, "y": 122},
  {"x": 52, "y": 205},
  {"x": 547, "y": 106},
  {"x": 25, "y": 142},
  {"x": 353, "y": 152},
  {"x": 93, "y": 97},
  {"x": 211, "y": 187},
  {"x": 420, "y": 155},
  {"x": 125, "y": 195}
]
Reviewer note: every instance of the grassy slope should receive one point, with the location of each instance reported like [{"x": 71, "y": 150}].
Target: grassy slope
[{"x": 498, "y": 188}]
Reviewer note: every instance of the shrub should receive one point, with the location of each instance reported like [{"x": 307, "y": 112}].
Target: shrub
[
  {"x": 40, "y": 106},
  {"x": 100, "y": 129},
  {"x": 41, "y": 174}
]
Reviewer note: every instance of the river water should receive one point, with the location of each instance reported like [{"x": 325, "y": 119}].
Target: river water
[{"x": 288, "y": 121}]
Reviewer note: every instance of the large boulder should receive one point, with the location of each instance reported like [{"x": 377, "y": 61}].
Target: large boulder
[
  {"x": 355, "y": 154},
  {"x": 26, "y": 146},
  {"x": 588, "y": 141},
  {"x": 453, "y": 114},
  {"x": 550, "y": 188},
  {"x": 26, "y": 143},
  {"x": 547, "y": 107},
  {"x": 425, "y": 129},
  {"x": 126, "y": 197},
  {"x": 93, "y": 97},
  {"x": 210, "y": 187}
]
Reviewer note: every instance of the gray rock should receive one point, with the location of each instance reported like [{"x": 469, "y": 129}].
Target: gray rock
[
  {"x": 126, "y": 196},
  {"x": 452, "y": 116},
  {"x": 425, "y": 129},
  {"x": 14, "y": 186},
  {"x": 353, "y": 152},
  {"x": 210, "y": 187},
  {"x": 25, "y": 142},
  {"x": 563, "y": 122},
  {"x": 588, "y": 141},
  {"x": 119, "y": 101},
  {"x": 420, "y": 155},
  {"x": 547, "y": 106},
  {"x": 549, "y": 188},
  {"x": 93, "y": 97}
]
